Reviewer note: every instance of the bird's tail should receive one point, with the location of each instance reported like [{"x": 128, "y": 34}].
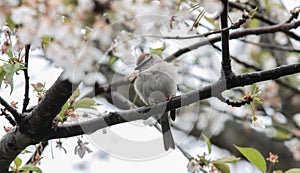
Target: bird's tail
[{"x": 166, "y": 131}]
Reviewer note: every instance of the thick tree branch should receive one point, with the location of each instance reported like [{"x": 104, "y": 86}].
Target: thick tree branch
[
  {"x": 235, "y": 35},
  {"x": 215, "y": 89},
  {"x": 26, "y": 76},
  {"x": 36, "y": 125},
  {"x": 42, "y": 116},
  {"x": 13, "y": 143}
]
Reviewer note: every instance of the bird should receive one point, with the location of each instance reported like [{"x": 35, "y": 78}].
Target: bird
[{"x": 155, "y": 83}]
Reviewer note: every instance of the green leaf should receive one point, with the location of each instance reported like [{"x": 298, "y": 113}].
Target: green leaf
[
  {"x": 75, "y": 94},
  {"x": 158, "y": 51},
  {"x": 10, "y": 23},
  {"x": 222, "y": 167},
  {"x": 281, "y": 134},
  {"x": 31, "y": 168},
  {"x": 10, "y": 54},
  {"x": 257, "y": 100},
  {"x": 2, "y": 74},
  {"x": 45, "y": 41},
  {"x": 255, "y": 90},
  {"x": 10, "y": 69},
  {"x": 39, "y": 87},
  {"x": 112, "y": 60},
  {"x": 86, "y": 33},
  {"x": 228, "y": 159},
  {"x": 252, "y": 12},
  {"x": 66, "y": 19},
  {"x": 88, "y": 103},
  {"x": 208, "y": 143},
  {"x": 61, "y": 116},
  {"x": 278, "y": 171},
  {"x": 26, "y": 151},
  {"x": 254, "y": 156},
  {"x": 293, "y": 170},
  {"x": 17, "y": 162}
]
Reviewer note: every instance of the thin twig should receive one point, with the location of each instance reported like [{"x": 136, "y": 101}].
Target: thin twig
[
  {"x": 14, "y": 112},
  {"x": 232, "y": 27},
  {"x": 257, "y": 15},
  {"x": 235, "y": 35},
  {"x": 245, "y": 64},
  {"x": 26, "y": 76},
  {"x": 294, "y": 15},
  {"x": 38, "y": 152},
  {"x": 8, "y": 117},
  {"x": 268, "y": 46},
  {"x": 226, "y": 62},
  {"x": 263, "y": 18}
]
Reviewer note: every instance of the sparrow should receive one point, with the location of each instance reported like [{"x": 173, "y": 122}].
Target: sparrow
[{"x": 155, "y": 83}]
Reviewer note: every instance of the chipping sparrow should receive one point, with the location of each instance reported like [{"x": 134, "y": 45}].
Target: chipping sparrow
[{"x": 156, "y": 83}]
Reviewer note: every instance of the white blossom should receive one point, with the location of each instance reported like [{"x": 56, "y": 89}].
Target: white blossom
[
  {"x": 2, "y": 19},
  {"x": 296, "y": 118},
  {"x": 49, "y": 26},
  {"x": 212, "y": 6},
  {"x": 85, "y": 5},
  {"x": 28, "y": 35},
  {"x": 11, "y": 3},
  {"x": 23, "y": 14},
  {"x": 261, "y": 121},
  {"x": 294, "y": 147},
  {"x": 94, "y": 77},
  {"x": 81, "y": 148}
]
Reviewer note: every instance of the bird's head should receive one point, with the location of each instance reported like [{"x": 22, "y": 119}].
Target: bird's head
[{"x": 146, "y": 60}]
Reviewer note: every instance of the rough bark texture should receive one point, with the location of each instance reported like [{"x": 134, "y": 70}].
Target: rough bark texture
[{"x": 36, "y": 125}]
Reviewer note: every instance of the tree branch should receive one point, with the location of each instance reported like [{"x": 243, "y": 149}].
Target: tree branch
[
  {"x": 42, "y": 116},
  {"x": 8, "y": 117},
  {"x": 257, "y": 15},
  {"x": 226, "y": 62},
  {"x": 233, "y": 26},
  {"x": 280, "y": 82},
  {"x": 268, "y": 46},
  {"x": 26, "y": 95},
  {"x": 13, "y": 111},
  {"x": 36, "y": 125},
  {"x": 215, "y": 89},
  {"x": 235, "y": 35},
  {"x": 263, "y": 18}
]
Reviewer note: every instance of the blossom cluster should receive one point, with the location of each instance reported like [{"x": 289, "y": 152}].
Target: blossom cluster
[{"x": 78, "y": 37}]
